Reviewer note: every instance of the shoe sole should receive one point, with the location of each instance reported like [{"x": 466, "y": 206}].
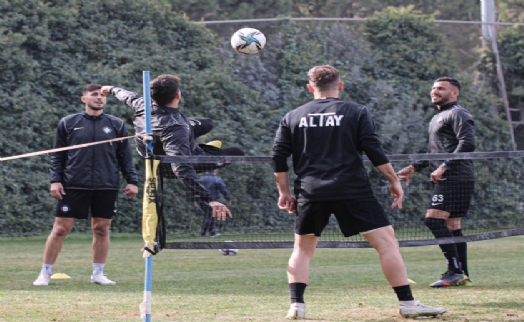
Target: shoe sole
[
  {"x": 459, "y": 283},
  {"x": 294, "y": 318},
  {"x": 412, "y": 316}
]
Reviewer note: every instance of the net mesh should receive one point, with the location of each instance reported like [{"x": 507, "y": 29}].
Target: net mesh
[{"x": 496, "y": 208}]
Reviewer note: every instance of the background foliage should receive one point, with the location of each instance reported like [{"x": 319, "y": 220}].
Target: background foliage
[{"x": 51, "y": 49}]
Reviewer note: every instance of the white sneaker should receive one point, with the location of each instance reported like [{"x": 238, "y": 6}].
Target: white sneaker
[
  {"x": 101, "y": 279},
  {"x": 42, "y": 280},
  {"x": 414, "y": 309},
  {"x": 297, "y": 311}
]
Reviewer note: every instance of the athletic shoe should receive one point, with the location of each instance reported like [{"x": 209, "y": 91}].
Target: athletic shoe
[
  {"x": 468, "y": 282},
  {"x": 450, "y": 278},
  {"x": 101, "y": 279},
  {"x": 297, "y": 311},
  {"x": 213, "y": 235},
  {"x": 414, "y": 309},
  {"x": 216, "y": 144},
  {"x": 42, "y": 280}
]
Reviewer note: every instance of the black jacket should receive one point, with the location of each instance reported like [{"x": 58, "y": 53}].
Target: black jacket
[
  {"x": 451, "y": 131},
  {"x": 327, "y": 138},
  {"x": 95, "y": 167},
  {"x": 176, "y": 137}
]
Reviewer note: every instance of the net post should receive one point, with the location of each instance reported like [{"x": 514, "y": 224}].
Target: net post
[
  {"x": 147, "y": 106},
  {"x": 149, "y": 259}
]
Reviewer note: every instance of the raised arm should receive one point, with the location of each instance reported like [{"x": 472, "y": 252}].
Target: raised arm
[{"x": 132, "y": 99}]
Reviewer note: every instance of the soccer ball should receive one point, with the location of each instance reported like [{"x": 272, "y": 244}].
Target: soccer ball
[
  {"x": 228, "y": 251},
  {"x": 248, "y": 41}
]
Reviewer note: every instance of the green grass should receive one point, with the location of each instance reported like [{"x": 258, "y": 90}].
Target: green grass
[{"x": 203, "y": 285}]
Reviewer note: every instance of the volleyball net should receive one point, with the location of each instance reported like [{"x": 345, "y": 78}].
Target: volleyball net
[{"x": 496, "y": 208}]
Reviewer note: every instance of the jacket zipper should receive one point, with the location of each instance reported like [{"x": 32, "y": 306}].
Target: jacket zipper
[{"x": 93, "y": 158}]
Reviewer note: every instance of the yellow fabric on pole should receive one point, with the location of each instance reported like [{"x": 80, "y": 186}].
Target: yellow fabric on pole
[{"x": 149, "y": 214}]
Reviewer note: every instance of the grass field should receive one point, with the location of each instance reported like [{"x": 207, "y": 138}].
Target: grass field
[{"x": 203, "y": 285}]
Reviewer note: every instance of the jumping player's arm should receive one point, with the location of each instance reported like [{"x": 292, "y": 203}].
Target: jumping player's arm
[
  {"x": 175, "y": 143},
  {"x": 132, "y": 99},
  {"x": 280, "y": 152}
]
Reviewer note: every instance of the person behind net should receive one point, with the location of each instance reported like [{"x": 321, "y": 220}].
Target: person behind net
[
  {"x": 176, "y": 134},
  {"x": 326, "y": 138},
  {"x": 450, "y": 131},
  {"x": 87, "y": 179},
  {"x": 212, "y": 182}
]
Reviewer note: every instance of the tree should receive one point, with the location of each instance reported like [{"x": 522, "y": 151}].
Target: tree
[{"x": 51, "y": 50}]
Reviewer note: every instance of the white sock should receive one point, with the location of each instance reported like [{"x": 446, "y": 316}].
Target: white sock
[
  {"x": 98, "y": 269},
  {"x": 47, "y": 269},
  {"x": 407, "y": 303}
]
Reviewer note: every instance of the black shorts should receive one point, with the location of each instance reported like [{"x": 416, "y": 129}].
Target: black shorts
[
  {"x": 76, "y": 204},
  {"x": 353, "y": 216},
  {"x": 453, "y": 197}
]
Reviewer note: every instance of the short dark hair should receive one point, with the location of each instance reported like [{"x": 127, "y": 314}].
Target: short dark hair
[
  {"x": 324, "y": 77},
  {"x": 450, "y": 80},
  {"x": 164, "y": 89},
  {"x": 90, "y": 88}
]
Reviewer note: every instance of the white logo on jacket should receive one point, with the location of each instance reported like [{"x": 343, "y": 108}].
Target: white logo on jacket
[
  {"x": 320, "y": 120},
  {"x": 107, "y": 130}
]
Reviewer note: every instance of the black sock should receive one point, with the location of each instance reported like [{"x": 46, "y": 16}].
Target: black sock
[
  {"x": 403, "y": 293},
  {"x": 440, "y": 230},
  {"x": 297, "y": 292},
  {"x": 462, "y": 249}
]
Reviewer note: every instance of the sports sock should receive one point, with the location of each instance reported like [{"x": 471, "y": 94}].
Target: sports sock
[
  {"x": 297, "y": 292},
  {"x": 462, "y": 249},
  {"x": 47, "y": 269},
  {"x": 403, "y": 293},
  {"x": 440, "y": 230},
  {"x": 98, "y": 269}
]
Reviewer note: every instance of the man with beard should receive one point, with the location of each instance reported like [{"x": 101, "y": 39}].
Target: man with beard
[
  {"x": 450, "y": 131},
  {"x": 87, "y": 178}
]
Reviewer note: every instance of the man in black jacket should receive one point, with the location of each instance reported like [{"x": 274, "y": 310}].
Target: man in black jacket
[
  {"x": 216, "y": 186},
  {"x": 176, "y": 134},
  {"x": 450, "y": 131},
  {"x": 326, "y": 138},
  {"x": 88, "y": 178}
]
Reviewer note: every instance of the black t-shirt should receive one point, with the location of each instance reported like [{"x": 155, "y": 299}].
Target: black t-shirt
[{"x": 326, "y": 138}]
